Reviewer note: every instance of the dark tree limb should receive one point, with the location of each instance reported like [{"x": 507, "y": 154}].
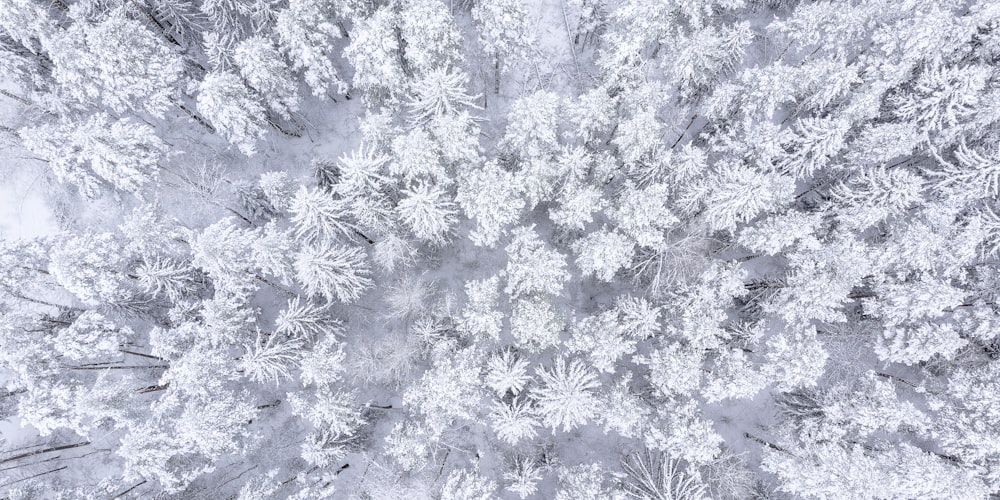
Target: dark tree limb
[{"x": 45, "y": 450}]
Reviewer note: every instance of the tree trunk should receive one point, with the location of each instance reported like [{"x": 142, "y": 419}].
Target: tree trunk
[
  {"x": 117, "y": 367},
  {"x": 195, "y": 116},
  {"x": 150, "y": 356},
  {"x": 149, "y": 15},
  {"x": 765, "y": 442},
  {"x": 401, "y": 51},
  {"x": 126, "y": 492},
  {"x": 16, "y": 97},
  {"x": 897, "y": 379},
  {"x": 288, "y": 293},
  {"x": 691, "y": 122},
  {"x": 44, "y": 302},
  {"x": 45, "y": 450},
  {"x": 34, "y": 476},
  {"x": 276, "y": 126},
  {"x": 364, "y": 236},
  {"x": 496, "y": 75},
  {"x": 152, "y": 388}
]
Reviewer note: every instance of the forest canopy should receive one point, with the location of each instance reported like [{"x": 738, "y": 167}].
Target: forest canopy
[{"x": 513, "y": 249}]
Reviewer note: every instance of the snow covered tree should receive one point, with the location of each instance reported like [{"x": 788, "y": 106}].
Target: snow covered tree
[
  {"x": 377, "y": 58},
  {"x": 696, "y": 311},
  {"x": 643, "y": 213},
  {"x": 566, "y": 396},
  {"x": 306, "y": 321},
  {"x": 820, "y": 280},
  {"x": 416, "y": 156},
  {"x": 394, "y": 251},
  {"x": 705, "y": 53},
  {"x": 431, "y": 36},
  {"x": 533, "y": 124},
  {"x": 535, "y": 324},
  {"x": 217, "y": 425},
  {"x": 150, "y": 231},
  {"x": 166, "y": 277},
  {"x": 503, "y": 32},
  {"x": 683, "y": 432},
  {"x": 362, "y": 172},
  {"x": 972, "y": 168},
  {"x": 333, "y": 410},
  {"x": 603, "y": 253},
  {"x": 965, "y": 416},
  {"x": 492, "y": 197},
  {"x": 324, "y": 363},
  {"x": 653, "y": 475},
  {"x": 92, "y": 336},
  {"x": 830, "y": 470},
  {"x": 260, "y": 487},
  {"x": 531, "y": 267},
  {"x": 810, "y": 145},
  {"x": 796, "y": 359},
  {"x": 255, "y": 204},
  {"x": 523, "y": 477},
  {"x": 118, "y": 62},
  {"x": 449, "y": 391},
  {"x": 307, "y": 31},
  {"x": 121, "y": 153},
  {"x": 319, "y": 216},
  {"x": 602, "y": 340},
  {"x": 322, "y": 448},
  {"x": 278, "y": 189},
  {"x": 623, "y": 411},
  {"x": 826, "y": 25},
  {"x": 577, "y": 204},
  {"x": 465, "y": 484},
  {"x": 914, "y": 315},
  {"x": 457, "y": 137},
  {"x": 334, "y": 271},
  {"x": 151, "y": 452},
  {"x": 91, "y": 266},
  {"x": 272, "y": 252},
  {"x": 265, "y": 70},
  {"x": 427, "y": 211},
  {"x": 480, "y": 316},
  {"x": 734, "y": 376},
  {"x": 233, "y": 109},
  {"x": 943, "y": 97},
  {"x": 869, "y": 406},
  {"x": 737, "y": 194},
  {"x": 639, "y": 136},
  {"x": 440, "y": 92},
  {"x": 269, "y": 358},
  {"x": 674, "y": 370},
  {"x": 882, "y": 143},
  {"x": 409, "y": 444},
  {"x": 506, "y": 372},
  {"x": 515, "y": 421},
  {"x": 26, "y": 22},
  {"x": 222, "y": 251},
  {"x": 780, "y": 231}
]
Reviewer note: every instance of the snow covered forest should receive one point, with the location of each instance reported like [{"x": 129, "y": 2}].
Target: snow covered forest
[{"x": 511, "y": 249}]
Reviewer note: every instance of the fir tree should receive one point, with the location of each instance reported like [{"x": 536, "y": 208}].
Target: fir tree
[
  {"x": 333, "y": 271},
  {"x": 565, "y": 397},
  {"x": 233, "y": 109}
]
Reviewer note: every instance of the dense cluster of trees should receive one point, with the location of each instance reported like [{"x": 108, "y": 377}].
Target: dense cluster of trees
[{"x": 503, "y": 249}]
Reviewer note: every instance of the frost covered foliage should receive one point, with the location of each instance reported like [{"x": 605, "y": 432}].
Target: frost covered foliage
[{"x": 580, "y": 250}]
